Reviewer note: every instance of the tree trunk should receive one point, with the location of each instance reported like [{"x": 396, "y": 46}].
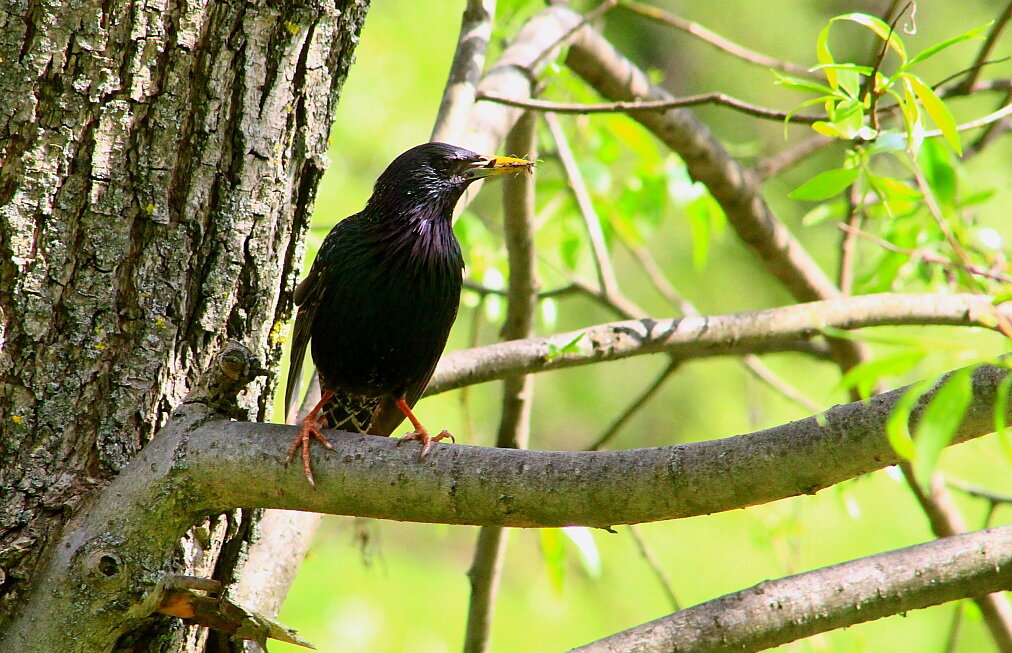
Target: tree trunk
[{"x": 158, "y": 166}]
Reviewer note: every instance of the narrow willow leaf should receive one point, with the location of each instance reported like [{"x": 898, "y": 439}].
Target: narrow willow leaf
[
  {"x": 583, "y": 539},
  {"x": 881, "y": 28},
  {"x": 825, "y": 56},
  {"x": 1001, "y": 427},
  {"x": 865, "y": 376},
  {"x": 554, "y": 552},
  {"x": 825, "y": 184},
  {"x": 800, "y": 84},
  {"x": 975, "y": 33},
  {"x": 939, "y": 113},
  {"x": 898, "y": 422},
  {"x": 938, "y": 422}
]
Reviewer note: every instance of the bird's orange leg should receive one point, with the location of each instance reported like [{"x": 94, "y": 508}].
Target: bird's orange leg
[
  {"x": 420, "y": 433},
  {"x": 310, "y": 429}
]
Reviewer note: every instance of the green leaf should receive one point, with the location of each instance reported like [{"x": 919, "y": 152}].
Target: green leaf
[
  {"x": 865, "y": 376},
  {"x": 975, "y": 33},
  {"x": 802, "y": 84},
  {"x": 1001, "y": 427},
  {"x": 939, "y": 113},
  {"x": 848, "y": 117},
  {"x": 938, "y": 422},
  {"x": 571, "y": 347},
  {"x": 554, "y": 551},
  {"x": 898, "y": 422},
  {"x": 937, "y": 164},
  {"x": 880, "y": 27},
  {"x": 706, "y": 219},
  {"x": 825, "y": 184},
  {"x": 825, "y": 56},
  {"x": 583, "y": 539}
]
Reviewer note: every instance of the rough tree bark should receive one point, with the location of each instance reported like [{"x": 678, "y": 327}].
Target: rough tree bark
[{"x": 158, "y": 165}]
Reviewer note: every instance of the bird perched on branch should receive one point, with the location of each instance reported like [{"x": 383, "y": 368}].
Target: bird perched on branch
[{"x": 382, "y": 295}]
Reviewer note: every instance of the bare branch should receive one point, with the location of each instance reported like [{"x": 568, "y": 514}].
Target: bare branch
[
  {"x": 714, "y": 39},
  {"x": 775, "y": 329},
  {"x": 465, "y": 71},
  {"x": 591, "y": 220},
  {"x": 985, "y": 49},
  {"x": 946, "y": 520},
  {"x": 648, "y": 556},
  {"x": 774, "y": 164},
  {"x": 831, "y": 597},
  {"x": 635, "y": 406},
  {"x": 719, "y": 99},
  {"x": 108, "y": 567}
]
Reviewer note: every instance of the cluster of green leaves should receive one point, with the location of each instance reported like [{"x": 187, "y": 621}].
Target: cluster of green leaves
[{"x": 913, "y": 191}]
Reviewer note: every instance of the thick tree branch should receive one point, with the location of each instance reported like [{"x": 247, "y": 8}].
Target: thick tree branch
[
  {"x": 770, "y": 330},
  {"x": 112, "y": 558},
  {"x": 784, "y": 610}
]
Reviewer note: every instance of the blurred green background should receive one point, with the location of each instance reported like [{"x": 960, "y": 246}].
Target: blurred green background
[{"x": 381, "y": 586}]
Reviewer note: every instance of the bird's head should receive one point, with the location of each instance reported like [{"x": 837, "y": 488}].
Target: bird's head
[{"x": 428, "y": 179}]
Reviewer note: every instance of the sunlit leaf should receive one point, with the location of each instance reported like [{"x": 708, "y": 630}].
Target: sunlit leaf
[
  {"x": 939, "y": 113},
  {"x": 937, "y": 424},
  {"x": 802, "y": 84},
  {"x": 825, "y": 56},
  {"x": 706, "y": 218},
  {"x": 975, "y": 33},
  {"x": 937, "y": 164},
  {"x": 825, "y": 184},
  {"x": 898, "y": 422},
  {"x": 849, "y": 117},
  {"x": 583, "y": 539},
  {"x": 863, "y": 377},
  {"x": 880, "y": 27},
  {"x": 828, "y": 129},
  {"x": 553, "y": 551},
  {"x": 1001, "y": 427}
]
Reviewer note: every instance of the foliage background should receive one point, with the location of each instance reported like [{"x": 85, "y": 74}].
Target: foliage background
[{"x": 380, "y": 586}]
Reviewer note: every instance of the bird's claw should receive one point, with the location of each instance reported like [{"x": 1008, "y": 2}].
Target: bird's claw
[
  {"x": 422, "y": 435},
  {"x": 309, "y": 431}
]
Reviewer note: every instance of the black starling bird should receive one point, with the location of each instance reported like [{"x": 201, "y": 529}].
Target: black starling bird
[{"x": 382, "y": 295}]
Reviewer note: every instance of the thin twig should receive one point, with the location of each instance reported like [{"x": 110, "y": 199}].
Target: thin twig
[
  {"x": 465, "y": 71},
  {"x": 635, "y": 406},
  {"x": 655, "y": 567},
  {"x": 991, "y": 131},
  {"x": 770, "y": 378},
  {"x": 587, "y": 18},
  {"x": 774, "y": 164},
  {"x": 720, "y": 99},
  {"x": 714, "y": 39},
  {"x": 869, "y": 90},
  {"x": 591, "y": 220},
  {"x": 848, "y": 245},
  {"x": 925, "y": 256},
  {"x": 988, "y": 45}
]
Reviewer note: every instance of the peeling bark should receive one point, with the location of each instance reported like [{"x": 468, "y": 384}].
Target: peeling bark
[{"x": 158, "y": 165}]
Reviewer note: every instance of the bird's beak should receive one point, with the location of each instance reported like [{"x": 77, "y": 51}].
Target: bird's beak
[{"x": 487, "y": 166}]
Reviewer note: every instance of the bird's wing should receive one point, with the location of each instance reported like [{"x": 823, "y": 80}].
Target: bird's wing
[{"x": 307, "y": 299}]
